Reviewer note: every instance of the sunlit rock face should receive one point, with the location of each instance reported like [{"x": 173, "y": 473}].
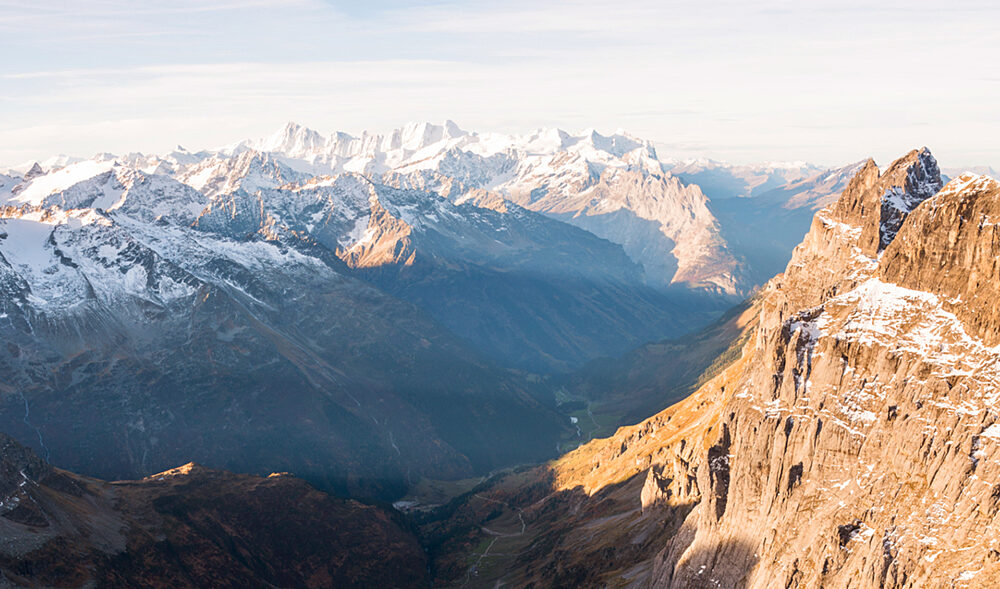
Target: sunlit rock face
[{"x": 857, "y": 444}]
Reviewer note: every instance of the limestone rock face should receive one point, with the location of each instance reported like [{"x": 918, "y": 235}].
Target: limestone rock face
[
  {"x": 859, "y": 447},
  {"x": 655, "y": 490},
  {"x": 669, "y": 483}
]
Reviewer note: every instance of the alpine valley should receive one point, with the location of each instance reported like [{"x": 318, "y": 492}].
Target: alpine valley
[{"x": 568, "y": 360}]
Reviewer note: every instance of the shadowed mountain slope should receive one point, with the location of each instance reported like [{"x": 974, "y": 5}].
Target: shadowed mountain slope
[{"x": 192, "y": 527}]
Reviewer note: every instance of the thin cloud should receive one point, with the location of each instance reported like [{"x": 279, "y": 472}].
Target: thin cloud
[{"x": 818, "y": 81}]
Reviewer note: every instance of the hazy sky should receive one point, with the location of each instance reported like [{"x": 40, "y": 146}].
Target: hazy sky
[{"x": 829, "y": 82}]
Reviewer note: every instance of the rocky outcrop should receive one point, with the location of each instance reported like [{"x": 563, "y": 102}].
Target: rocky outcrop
[
  {"x": 845, "y": 239},
  {"x": 34, "y": 171},
  {"x": 877, "y": 203}
]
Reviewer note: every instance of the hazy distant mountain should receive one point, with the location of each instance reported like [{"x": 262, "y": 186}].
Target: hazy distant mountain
[
  {"x": 230, "y": 308},
  {"x": 979, "y": 170},
  {"x": 720, "y": 180},
  {"x": 766, "y": 227}
]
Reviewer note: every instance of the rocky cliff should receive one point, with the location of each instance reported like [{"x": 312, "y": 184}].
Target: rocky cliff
[{"x": 858, "y": 447}]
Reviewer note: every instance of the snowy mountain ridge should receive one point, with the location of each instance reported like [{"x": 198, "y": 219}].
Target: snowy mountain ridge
[
  {"x": 403, "y": 230},
  {"x": 613, "y": 186}
]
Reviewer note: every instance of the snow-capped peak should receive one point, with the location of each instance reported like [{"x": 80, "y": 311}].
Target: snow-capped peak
[
  {"x": 582, "y": 176},
  {"x": 416, "y": 136},
  {"x": 293, "y": 140},
  {"x": 38, "y": 187}
]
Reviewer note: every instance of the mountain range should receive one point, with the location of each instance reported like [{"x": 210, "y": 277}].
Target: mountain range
[
  {"x": 661, "y": 210},
  {"x": 435, "y": 313},
  {"x": 181, "y": 302}
]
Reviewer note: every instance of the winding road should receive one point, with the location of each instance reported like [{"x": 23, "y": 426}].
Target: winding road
[{"x": 496, "y": 536}]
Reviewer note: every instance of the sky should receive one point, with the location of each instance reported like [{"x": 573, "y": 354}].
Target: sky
[{"x": 825, "y": 82}]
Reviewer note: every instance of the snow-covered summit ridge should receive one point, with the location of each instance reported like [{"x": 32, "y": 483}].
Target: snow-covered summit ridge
[
  {"x": 423, "y": 145},
  {"x": 968, "y": 181},
  {"x": 577, "y": 178}
]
